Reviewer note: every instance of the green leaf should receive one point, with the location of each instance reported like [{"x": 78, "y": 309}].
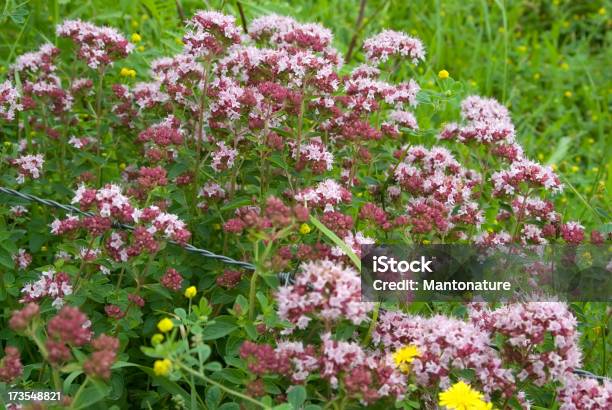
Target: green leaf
[
  {"x": 222, "y": 326},
  {"x": 334, "y": 238},
  {"x": 91, "y": 394},
  {"x": 213, "y": 397},
  {"x": 560, "y": 151},
  {"x": 296, "y": 396}
]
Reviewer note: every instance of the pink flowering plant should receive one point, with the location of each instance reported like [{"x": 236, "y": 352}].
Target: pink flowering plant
[{"x": 264, "y": 147}]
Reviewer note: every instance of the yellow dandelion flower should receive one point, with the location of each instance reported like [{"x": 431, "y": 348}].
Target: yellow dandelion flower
[
  {"x": 461, "y": 396},
  {"x": 136, "y": 38},
  {"x": 190, "y": 292},
  {"x": 125, "y": 72},
  {"x": 165, "y": 325},
  {"x": 404, "y": 356},
  {"x": 162, "y": 367},
  {"x": 305, "y": 229},
  {"x": 443, "y": 74}
]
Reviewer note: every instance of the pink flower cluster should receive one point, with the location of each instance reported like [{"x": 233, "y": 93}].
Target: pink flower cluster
[
  {"x": 52, "y": 284},
  {"x": 326, "y": 194},
  {"x": 276, "y": 215},
  {"x": 37, "y": 62},
  {"x": 98, "y": 46},
  {"x": 525, "y": 327},
  {"x": 579, "y": 393},
  {"x": 209, "y": 33},
  {"x": 391, "y": 43},
  {"x": 366, "y": 376},
  {"x": 28, "y": 166},
  {"x": 22, "y": 259},
  {"x": 104, "y": 356},
  {"x": 445, "y": 344},
  {"x": 287, "y": 33},
  {"x": 10, "y": 365},
  {"x": 111, "y": 206},
  {"x": 9, "y": 101},
  {"x": 324, "y": 290},
  {"x": 172, "y": 280}
]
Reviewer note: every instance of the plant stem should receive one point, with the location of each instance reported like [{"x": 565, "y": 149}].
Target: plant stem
[
  {"x": 358, "y": 23},
  {"x": 78, "y": 393},
  {"x": 368, "y": 335},
  {"x": 222, "y": 387},
  {"x": 252, "y": 294},
  {"x": 99, "y": 119}
]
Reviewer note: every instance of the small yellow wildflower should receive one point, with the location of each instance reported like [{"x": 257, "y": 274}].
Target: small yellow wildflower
[
  {"x": 141, "y": 48},
  {"x": 537, "y": 76},
  {"x": 461, "y": 396},
  {"x": 122, "y": 166},
  {"x": 165, "y": 325},
  {"x": 404, "y": 356},
  {"x": 136, "y": 38},
  {"x": 125, "y": 72},
  {"x": 216, "y": 227},
  {"x": 162, "y": 367},
  {"x": 43, "y": 248},
  {"x": 568, "y": 94},
  {"x": 575, "y": 168},
  {"x": 443, "y": 74},
  {"x": 553, "y": 167},
  {"x": 426, "y": 241},
  {"x": 602, "y": 11},
  {"x": 305, "y": 229},
  {"x": 541, "y": 156},
  {"x": 157, "y": 339},
  {"x": 190, "y": 292},
  {"x": 135, "y": 24},
  {"x": 178, "y": 41},
  {"x": 565, "y": 66}
]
